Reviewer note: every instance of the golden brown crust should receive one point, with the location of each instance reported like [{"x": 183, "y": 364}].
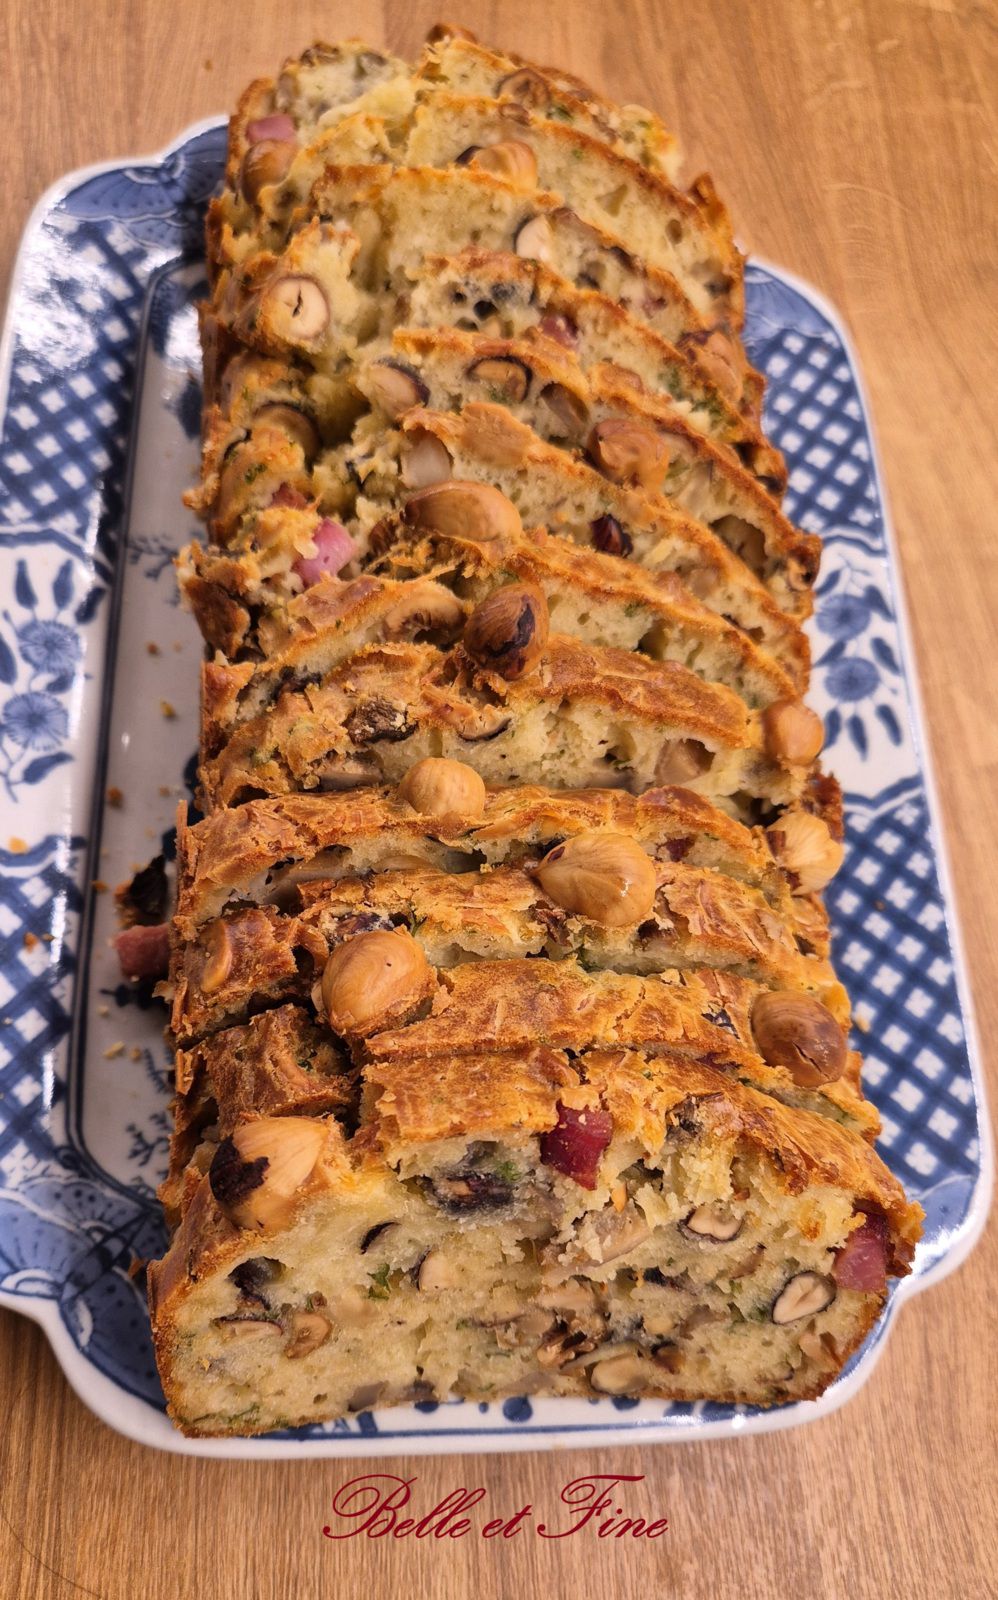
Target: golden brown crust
[
  {"x": 574, "y": 1077},
  {"x": 229, "y": 850},
  {"x": 699, "y": 918}
]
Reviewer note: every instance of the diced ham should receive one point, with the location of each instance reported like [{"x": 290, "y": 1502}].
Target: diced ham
[
  {"x": 144, "y": 952},
  {"x": 288, "y": 495},
  {"x": 333, "y": 549},
  {"x": 862, "y": 1261},
  {"x": 273, "y": 127},
  {"x": 560, "y": 329},
  {"x": 576, "y": 1143}
]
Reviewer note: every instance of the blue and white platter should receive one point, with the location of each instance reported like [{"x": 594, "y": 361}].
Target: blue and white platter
[{"x": 98, "y": 686}]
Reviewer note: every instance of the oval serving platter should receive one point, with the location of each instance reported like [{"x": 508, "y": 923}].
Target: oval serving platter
[{"x": 98, "y": 684}]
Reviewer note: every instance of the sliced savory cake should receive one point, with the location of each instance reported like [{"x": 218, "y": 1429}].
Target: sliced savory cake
[{"x": 510, "y": 1057}]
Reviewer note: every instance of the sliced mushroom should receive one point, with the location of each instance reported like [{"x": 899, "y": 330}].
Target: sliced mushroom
[
  {"x": 425, "y": 461},
  {"x": 374, "y": 1233},
  {"x": 309, "y": 1330},
  {"x": 477, "y": 724},
  {"x": 508, "y": 630},
  {"x": 297, "y": 309},
  {"x": 339, "y": 773},
  {"x": 395, "y": 387},
  {"x": 427, "y": 609},
  {"x": 471, "y": 1190},
  {"x": 294, "y": 422},
  {"x": 249, "y": 1330},
  {"x": 712, "y": 1222},
  {"x": 377, "y": 718},
  {"x": 252, "y": 1277},
  {"x": 669, "y": 1356},
  {"x": 534, "y": 240},
  {"x": 804, "y": 1295},
  {"x": 527, "y": 87},
  {"x": 506, "y": 378}
]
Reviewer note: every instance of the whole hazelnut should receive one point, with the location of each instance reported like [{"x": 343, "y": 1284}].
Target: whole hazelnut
[
  {"x": 374, "y": 979},
  {"x": 507, "y": 631}
]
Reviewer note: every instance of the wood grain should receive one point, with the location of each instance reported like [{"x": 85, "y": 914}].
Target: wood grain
[{"x": 856, "y": 144}]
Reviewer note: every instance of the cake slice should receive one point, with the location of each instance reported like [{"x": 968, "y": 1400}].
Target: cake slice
[
  {"x": 603, "y": 415},
  {"x": 521, "y": 1223},
  {"x": 263, "y": 852}
]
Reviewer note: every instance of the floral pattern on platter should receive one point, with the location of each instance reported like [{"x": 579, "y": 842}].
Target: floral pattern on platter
[
  {"x": 112, "y": 263},
  {"x": 39, "y": 657},
  {"x": 857, "y": 679}
]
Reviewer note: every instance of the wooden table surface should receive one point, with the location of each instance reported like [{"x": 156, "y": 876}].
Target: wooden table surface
[{"x": 856, "y": 143}]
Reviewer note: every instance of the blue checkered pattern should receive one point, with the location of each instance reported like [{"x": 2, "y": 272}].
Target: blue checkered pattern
[
  {"x": 813, "y": 411},
  {"x": 66, "y": 1228},
  {"x": 893, "y": 953},
  {"x": 39, "y": 891}
]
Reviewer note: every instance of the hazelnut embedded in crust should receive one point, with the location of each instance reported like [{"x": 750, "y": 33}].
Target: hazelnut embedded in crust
[
  {"x": 506, "y": 379},
  {"x": 508, "y": 630},
  {"x": 437, "y": 786},
  {"x": 510, "y": 159},
  {"x": 797, "y": 1032},
  {"x": 629, "y": 452},
  {"x": 296, "y": 309},
  {"x": 792, "y": 732},
  {"x": 535, "y": 240},
  {"x": 681, "y": 761},
  {"x": 463, "y": 511},
  {"x": 604, "y": 876},
  {"x": 395, "y": 387},
  {"x": 425, "y": 461},
  {"x": 265, "y": 164},
  {"x": 373, "y": 980},
  {"x": 258, "y": 1169},
  {"x": 217, "y": 962},
  {"x": 805, "y": 849},
  {"x": 425, "y": 610}
]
